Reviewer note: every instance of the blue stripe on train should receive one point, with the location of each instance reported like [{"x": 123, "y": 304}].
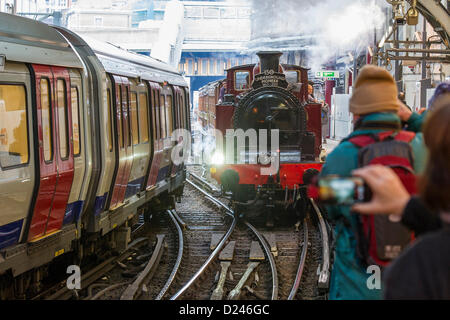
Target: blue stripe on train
[
  {"x": 73, "y": 211},
  {"x": 99, "y": 204},
  {"x": 133, "y": 187},
  {"x": 162, "y": 174},
  {"x": 10, "y": 233}
]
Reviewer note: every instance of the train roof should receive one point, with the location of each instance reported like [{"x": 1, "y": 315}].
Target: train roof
[
  {"x": 121, "y": 61},
  {"x": 30, "y": 41},
  {"x": 27, "y": 40}
]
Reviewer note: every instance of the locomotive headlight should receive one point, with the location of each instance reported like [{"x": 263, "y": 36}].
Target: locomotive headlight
[{"x": 217, "y": 158}]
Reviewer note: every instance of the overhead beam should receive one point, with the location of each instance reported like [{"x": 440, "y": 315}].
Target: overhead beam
[{"x": 437, "y": 15}]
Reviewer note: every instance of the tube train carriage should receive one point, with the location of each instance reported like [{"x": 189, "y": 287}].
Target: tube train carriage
[
  {"x": 275, "y": 99},
  {"x": 85, "y": 144}
]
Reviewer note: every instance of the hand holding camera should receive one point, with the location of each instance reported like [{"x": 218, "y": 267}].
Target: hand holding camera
[{"x": 374, "y": 189}]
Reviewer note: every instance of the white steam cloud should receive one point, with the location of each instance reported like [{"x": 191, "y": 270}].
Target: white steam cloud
[{"x": 322, "y": 27}]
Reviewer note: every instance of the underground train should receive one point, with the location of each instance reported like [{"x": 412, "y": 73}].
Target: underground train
[
  {"x": 267, "y": 96},
  {"x": 85, "y": 146}
]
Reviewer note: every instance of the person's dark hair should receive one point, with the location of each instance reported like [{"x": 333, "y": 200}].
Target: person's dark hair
[{"x": 435, "y": 181}]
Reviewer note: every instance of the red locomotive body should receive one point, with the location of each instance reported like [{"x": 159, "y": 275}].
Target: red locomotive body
[{"x": 267, "y": 96}]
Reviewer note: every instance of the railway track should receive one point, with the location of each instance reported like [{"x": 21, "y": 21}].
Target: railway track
[
  {"x": 191, "y": 288},
  {"x": 183, "y": 263},
  {"x": 60, "y": 291}
]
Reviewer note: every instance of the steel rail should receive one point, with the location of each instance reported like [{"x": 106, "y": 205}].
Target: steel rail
[
  {"x": 273, "y": 265},
  {"x": 301, "y": 264},
  {"x": 203, "y": 181},
  {"x": 207, "y": 262},
  {"x": 324, "y": 275},
  {"x": 92, "y": 275},
  {"x": 107, "y": 289},
  {"x": 179, "y": 257},
  {"x": 218, "y": 248},
  {"x": 131, "y": 292},
  {"x": 219, "y": 203}
]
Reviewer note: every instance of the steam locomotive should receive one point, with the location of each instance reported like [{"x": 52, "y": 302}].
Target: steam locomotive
[{"x": 276, "y": 104}]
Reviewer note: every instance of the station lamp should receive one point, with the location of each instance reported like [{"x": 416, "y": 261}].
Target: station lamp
[{"x": 412, "y": 15}]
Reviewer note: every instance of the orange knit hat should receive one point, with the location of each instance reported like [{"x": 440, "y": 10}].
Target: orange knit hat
[{"x": 374, "y": 91}]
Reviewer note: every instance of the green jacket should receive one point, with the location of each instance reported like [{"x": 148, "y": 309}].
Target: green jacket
[
  {"x": 348, "y": 276},
  {"x": 415, "y": 122}
]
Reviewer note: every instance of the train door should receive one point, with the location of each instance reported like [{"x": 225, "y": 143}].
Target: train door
[
  {"x": 17, "y": 165},
  {"x": 75, "y": 202},
  {"x": 158, "y": 144},
  {"x": 166, "y": 106},
  {"x": 178, "y": 121},
  {"x": 56, "y": 165},
  {"x": 187, "y": 108},
  {"x": 140, "y": 137},
  {"x": 124, "y": 148}
]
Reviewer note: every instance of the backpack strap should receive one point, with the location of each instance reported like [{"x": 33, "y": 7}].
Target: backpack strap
[
  {"x": 405, "y": 136},
  {"x": 365, "y": 139}
]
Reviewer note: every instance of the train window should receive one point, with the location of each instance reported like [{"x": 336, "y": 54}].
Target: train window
[
  {"x": 154, "y": 116},
  {"x": 143, "y": 118},
  {"x": 158, "y": 115},
  {"x": 119, "y": 119},
  {"x": 109, "y": 120},
  {"x": 292, "y": 76},
  {"x": 13, "y": 125},
  {"x": 169, "y": 119},
  {"x": 46, "y": 114},
  {"x": 61, "y": 97},
  {"x": 127, "y": 106},
  {"x": 183, "y": 111},
  {"x": 75, "y": 120},
  {"x": 134, "y": 118},
  {"x": 241, "y": 80},
  {"x": 178, "y": 111},
  {"x": 162, "y": 107}
]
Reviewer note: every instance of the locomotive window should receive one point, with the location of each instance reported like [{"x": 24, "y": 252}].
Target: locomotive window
[
  {"x": 143, "y": 117},
  {"x": 75, "y": 120},
  {"x": 61, "y": 96},
  {"x": 134, "y": 118},
  {"x": 292, "y": 76},
  {"x": 241, "y": 80},
  {"x": 13, "y": 125},
  {"x": 46, "y": 114},
  {"x": 109, "y": 120}
]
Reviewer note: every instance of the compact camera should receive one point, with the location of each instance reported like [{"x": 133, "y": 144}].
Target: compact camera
[{"x": 339, "y": 190}]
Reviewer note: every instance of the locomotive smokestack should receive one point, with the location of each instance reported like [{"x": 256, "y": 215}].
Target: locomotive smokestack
[{"x": 269, "y": 60}]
